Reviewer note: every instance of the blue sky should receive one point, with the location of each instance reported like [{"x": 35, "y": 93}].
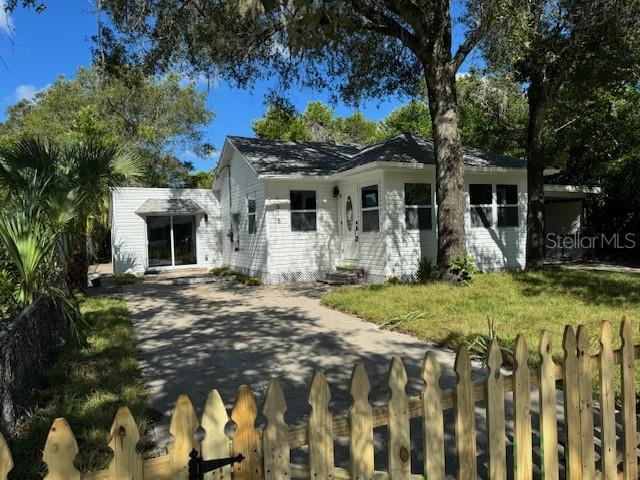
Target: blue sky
[{"x": 36, "y": 49}]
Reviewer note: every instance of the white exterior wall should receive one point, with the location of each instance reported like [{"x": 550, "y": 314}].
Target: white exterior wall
[
  {"x": 406, "y": 247},
  {"x": 129, "y": 230},
  {"x": 300, "y": 256},
  {"x": 498, "y": 248},
  {"x": 247, "y": 253}
]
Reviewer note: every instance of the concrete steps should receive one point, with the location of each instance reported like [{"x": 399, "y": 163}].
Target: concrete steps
[{"x": 344, "y": 276}]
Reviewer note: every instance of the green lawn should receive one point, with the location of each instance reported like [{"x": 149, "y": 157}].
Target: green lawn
[
  {"x": 86, "y": 385},
  {"x": 525, "y": 303}
]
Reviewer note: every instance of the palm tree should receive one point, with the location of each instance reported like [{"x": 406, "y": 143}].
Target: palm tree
[
  {"x": 36, "y": 218},
  {"x": 94, "y": 168}
]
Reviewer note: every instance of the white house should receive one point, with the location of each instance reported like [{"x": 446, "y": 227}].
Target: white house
[{"x": 293, "y": 211}]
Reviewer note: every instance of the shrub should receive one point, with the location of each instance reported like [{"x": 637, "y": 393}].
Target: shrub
[
  {"x": 221, "y": 272},
  {"x": 394, "y": 280},
  {"x": 425, "y": 270},
  {"x": 463, "y": 267},
  {"x": 241, "y": 277},
  {"x": 478, "y": 346},
  {"x": 253, "y": 282},
  {"x": 125, "y": 279}
]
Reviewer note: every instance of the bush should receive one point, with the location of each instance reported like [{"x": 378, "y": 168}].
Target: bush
[
  {"x": 394, "y": 280},
  {"x": 125, "y": 279},
  {"x": 463, "y": 267},
  {"x": 221, "y": 272},
  {"x": 253, "y": 282},
  {"x": 425, "y": 270},
  {"x": 241, "y": 277}
]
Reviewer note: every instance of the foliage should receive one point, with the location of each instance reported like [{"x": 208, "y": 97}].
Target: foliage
[
  {"x": 199, "y": 180},
  {"x": 35, "y": 225},
  {"x": 398, "y": 321},
  {"x": 153, "y": 118},
  {"x": 125, "y": 279},
  {"x": 253, "y": 282},
  {"x": 412, "y": 117},
  {"x": 464, "y": 268},
  {"x": 86, "y": 385},
  {"x": 493, "y": 113},
  {"x": 316, "y": 123},
  {"x": 478, "y": 345},
  {"x": 241, "y": 277},
  {"x": 221, "y": 272},
  {"x": 394, "y": 280},
  {"x": 592, "y": 137},
  {"x": 425, "y": 271}
]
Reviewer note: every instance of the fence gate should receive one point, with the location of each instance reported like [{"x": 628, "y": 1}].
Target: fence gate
[{"x": 267, "y": 451}]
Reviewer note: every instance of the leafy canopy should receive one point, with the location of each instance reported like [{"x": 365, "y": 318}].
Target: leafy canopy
[{"x": 154, "y": 118}]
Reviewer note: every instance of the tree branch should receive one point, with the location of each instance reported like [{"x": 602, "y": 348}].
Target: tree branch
[{"x": 465, "y": 47}]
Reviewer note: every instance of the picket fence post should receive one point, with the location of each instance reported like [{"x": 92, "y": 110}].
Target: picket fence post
[
  {"x": 6, "y": 461},
  {"x": 247, "y": 439},
  {"x": 587, "y": 452},
  {"x": 59, "y": 452},
  {"x": 607, "y": 405},
  {"x": 361, "y": 426},
  {"x": 629, "y": 428},
  {"x": 123, "y": 438},
  {"x": 215, "y": 443},
  {"x": 522, "y": 412},
  {"x": 432, "y": 419},
  {"x": 399, "y": 438},
  {"x": 321, "y": 459},
  {"x": 573, "y": 463},
  {"x": 495, "y": 414},
  {"x": 275, "y": 438},
  {"x": 548, "y": 413},
  {"x": 184, "y": 423},
  {"x": 465, "y": 417}
]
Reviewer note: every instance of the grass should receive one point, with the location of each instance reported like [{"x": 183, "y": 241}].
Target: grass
[
  {"x": 86, "y": 385},
  {"x": 526, "y": 303}
]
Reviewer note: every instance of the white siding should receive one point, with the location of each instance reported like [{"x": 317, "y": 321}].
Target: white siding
[
  {"x": 406, "y": 247},
  {"x": 247, "y": 253},
  {"x": 300, "y": 256},
  {"x": 498, "y": 248},
  {"x": 129, "y": 230}
]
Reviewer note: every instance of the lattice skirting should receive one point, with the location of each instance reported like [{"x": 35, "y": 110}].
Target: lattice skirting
[{"x": 293, "y": 277}]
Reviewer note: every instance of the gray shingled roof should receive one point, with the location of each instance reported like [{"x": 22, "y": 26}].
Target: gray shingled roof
[
  {"x": 293, "y": 158},
  {"x": 314, "y": 158},
  {"x": 154, "y": 206}
]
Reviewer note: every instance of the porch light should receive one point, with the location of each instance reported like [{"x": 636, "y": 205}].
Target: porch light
[{"x": 336, "y": 192}]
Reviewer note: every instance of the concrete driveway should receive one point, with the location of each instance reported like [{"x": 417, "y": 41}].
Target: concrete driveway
[{"x": 195, "y": 338}]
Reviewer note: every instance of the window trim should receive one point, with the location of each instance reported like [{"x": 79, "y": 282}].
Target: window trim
[
  {"x": 364, "y": 209},
  {"x": 507, "y": 205},
  {"x": 303, "y": 210},
  {"x": 251, "y": 214},
  {"x": 418, "y": 207},
  {"x": 482, "y": 205}
]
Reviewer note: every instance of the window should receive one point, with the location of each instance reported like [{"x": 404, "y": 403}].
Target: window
[
  {"x": 481, "y": 204},
  {"x": 417, "y": 200},
  {"x": 171, "y": 240},
  {"x": 303, "y": 210},
  {"x": 349, "y": 213},
  {"x": 507, "y": 197},
  {"x": 251, "y": 215},
  {"x": 370, "y": 209}
]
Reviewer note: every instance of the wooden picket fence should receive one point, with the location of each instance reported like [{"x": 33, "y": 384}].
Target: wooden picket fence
[{"x": 268, "y": 450}]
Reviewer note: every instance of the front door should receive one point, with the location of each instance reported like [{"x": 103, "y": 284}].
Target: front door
[{"x": 350, "y": 226}]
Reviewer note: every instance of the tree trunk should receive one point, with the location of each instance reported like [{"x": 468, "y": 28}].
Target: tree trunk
[
  {"x": 78, "y": 264},
  {"x": 538, "y": 104},
  {"x": 443, "y": 107}
]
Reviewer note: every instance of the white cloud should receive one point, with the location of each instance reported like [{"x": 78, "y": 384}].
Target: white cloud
[
  {"x": 26, "y": 92},
  {"x": 6, "y": 22}
]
